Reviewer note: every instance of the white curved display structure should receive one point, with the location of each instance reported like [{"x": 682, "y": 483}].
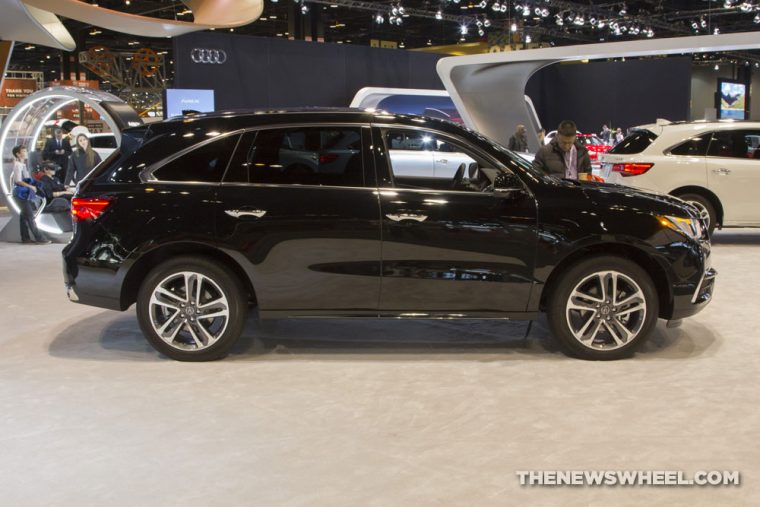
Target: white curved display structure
[
  {"x": 488, "y": 89},
  {"x": 36, "y": 21},
  {"x": 24, "y": 125}
]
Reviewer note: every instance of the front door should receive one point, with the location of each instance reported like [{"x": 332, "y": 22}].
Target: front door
[
  {"x": 453, "y": 248},
  {"x": 733, "y": 174},
  {"x": 310, "y": 231}
]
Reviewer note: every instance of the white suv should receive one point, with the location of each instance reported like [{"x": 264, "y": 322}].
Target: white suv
[{"x": 713, "y": 165}]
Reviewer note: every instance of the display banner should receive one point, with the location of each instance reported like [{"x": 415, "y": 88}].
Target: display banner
[
  {"x": 81, "y": 83},
  {"x": 262, "y": 72},
  {"x": 14, "y": 91}
]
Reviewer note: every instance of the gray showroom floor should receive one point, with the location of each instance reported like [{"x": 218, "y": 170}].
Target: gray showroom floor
[{"x": 343, "y": 413}]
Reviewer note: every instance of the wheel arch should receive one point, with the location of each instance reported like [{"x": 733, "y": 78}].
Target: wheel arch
[
  {"x": 627, "y": 251},
  {"x": 145, "y": 263},
  {"x": 704, "y": 192}
]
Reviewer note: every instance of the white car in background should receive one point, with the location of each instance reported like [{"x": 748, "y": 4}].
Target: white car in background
[
  {"x": 713, "y": 165},
  {"x": 104, "y": 144}
]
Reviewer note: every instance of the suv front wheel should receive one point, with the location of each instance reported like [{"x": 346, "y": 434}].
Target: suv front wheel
[
  {"x": 603, "y": 308},
  {"x": 192, "y": 309}
]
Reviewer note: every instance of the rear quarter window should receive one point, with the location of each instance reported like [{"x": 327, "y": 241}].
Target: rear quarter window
[{"x": 634, "y": 143}]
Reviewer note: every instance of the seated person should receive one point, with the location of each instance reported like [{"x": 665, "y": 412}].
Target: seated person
[{"x": 58, "y": 197}]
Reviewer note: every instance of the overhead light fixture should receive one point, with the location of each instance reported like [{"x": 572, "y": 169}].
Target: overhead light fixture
[
  {"x": 756, "y": 19},
  {"x": 703, "y": 22},
  {"x": 528, "y": 39},
  {"x": 463, "y": 29},
  {"x": 513, "y": 27},
  {"x": 601, "y": 24},
  {"x": 558, "y": 20},
  {"x": 439, "y": 14},
  {"x": 379, "y": 19},
  {"x": 496, "y": 6},
  {"x": 623, "y": 10},
  {"x": 716, "y": 31},
  {"x": 486, "y": 22}
]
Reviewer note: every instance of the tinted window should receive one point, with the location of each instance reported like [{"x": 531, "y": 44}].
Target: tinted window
[
  {"x": 635, "y": 143},
  {"x": 695, "y": 147},
  {"x": 103, "y": 141},
  {"x": 735, "y": 144},
  {"x": 300, "y": 156},
  {"x": 206, "y": 163},
  {"x": 444, "y": 164}
]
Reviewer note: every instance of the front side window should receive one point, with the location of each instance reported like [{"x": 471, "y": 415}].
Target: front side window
[
  {"x": 735, "y": 144},
  {"x": 694, "y": 147},
  {"x": 329, "y": 156},
  {"x": 445, "y": 164},
  {"x": 205, "y": 163}
]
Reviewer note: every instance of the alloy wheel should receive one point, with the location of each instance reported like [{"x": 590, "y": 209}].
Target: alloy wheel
[
  {"x": 704, "y": 214},
  {"x": 606, "y": 310},
  {"x": 189, "y": 311}
]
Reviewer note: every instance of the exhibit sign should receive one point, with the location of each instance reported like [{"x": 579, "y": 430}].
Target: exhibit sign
[
  {"x": 177, "y": 100},
  {"x": 733, "y": 99},
  {"x": 15, "y": 90}
]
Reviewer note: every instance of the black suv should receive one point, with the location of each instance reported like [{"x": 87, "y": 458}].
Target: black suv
[{"x": 314, "y": 213}]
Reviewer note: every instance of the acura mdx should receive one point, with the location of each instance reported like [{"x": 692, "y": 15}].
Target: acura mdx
[{"x": 199, "y": 219}]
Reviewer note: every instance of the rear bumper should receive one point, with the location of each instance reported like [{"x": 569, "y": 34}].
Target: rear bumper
[{"x": 100, "y": 287}]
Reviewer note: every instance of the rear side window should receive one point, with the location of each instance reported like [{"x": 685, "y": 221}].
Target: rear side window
[
  {"x": 694, "y": 147},
  {"x": 634, "y": 143},
  {"x": 205, "y": 163},
  {"x": 735, "y": 144},
  {"x": 300, "y": 156}
]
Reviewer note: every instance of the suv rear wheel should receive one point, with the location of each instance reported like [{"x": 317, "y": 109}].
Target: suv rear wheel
[
  {"x": 603, "y": 308},
  {"x": 192, "y": 309}
]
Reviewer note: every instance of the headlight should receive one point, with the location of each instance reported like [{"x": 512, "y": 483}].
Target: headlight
[{"x": 691, "y": 227}]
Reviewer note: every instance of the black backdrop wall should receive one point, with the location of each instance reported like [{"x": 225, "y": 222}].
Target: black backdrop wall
[
  {"x": 620, "y": 94},
  {"x": 266, "y": 72}
]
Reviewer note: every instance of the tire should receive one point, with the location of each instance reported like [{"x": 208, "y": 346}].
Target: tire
[
  {"x": 594, "y": 324},
  {"x": 221, "y": 295},
  {"x": 704, "y": 206}
]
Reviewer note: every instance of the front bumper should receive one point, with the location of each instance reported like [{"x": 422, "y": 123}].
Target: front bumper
[{"x": 688, "y": 305}]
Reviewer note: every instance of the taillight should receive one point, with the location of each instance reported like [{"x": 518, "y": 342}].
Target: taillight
[
  {"x": 326, "y": 158},
  {"x": 631, "y": 169},
  {"x": 593, "y": 155},
  {"x": 88, "y": 208}
]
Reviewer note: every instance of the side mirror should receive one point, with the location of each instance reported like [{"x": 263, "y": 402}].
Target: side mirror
[{"x": 507, "y": 183}]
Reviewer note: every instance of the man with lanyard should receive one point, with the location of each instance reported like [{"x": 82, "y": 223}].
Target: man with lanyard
[{"x": 564, "y": 157}]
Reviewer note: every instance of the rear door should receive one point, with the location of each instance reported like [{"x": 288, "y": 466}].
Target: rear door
[
  {"x": 733, "y": 172},
  {"x": 311, "y": 238}
]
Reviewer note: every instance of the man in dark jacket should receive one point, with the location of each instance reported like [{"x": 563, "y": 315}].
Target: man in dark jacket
[
  {"x": 564, "y": 157},
  {"x": 519, "y": 141},
  {"x": 57, "y": 150}
]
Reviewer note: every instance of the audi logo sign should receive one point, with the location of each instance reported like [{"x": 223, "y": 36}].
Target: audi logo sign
[{"x": 217, "y": 56}]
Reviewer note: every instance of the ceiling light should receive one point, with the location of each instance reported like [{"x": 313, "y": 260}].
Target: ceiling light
[
  {"x": 513, "y": 27},
  {"x": 544, "y": 12},
  {"x": 379, "y": 19},
  {"x": 463, "y": 29},
  {"x": 703, "y": 22},
  {"x": 757, "y": 18},
  {"x": 558, "y": 20},
  {"x": 481, "y": 33},
  {"x": 528, "y": 39},
  {"x": 623, "y": 10},
  {"x": 601, "y": 24},
  {"x": 486, "y": 22},
  {"x": 439, "y": 14},
  {"x": 716, "y": 31},
  {"x": 717, "y": 67},
  {"x": 496, "y": 6}
]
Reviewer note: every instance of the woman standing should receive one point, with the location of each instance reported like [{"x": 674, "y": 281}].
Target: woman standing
[
  {"x": 21, "y": 179},
  {"x": 81, "y": 161}
]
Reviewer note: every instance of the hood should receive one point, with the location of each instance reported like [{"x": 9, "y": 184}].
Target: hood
[{"x": 607, "y": 194}]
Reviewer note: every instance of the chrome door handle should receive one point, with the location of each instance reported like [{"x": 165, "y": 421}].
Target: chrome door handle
[
  {"x": 237, "y": 213},
  {"x": 406, "y": 216},
  {"x": 722, "y": 171},
  {"x": 442, "y": 161}
]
